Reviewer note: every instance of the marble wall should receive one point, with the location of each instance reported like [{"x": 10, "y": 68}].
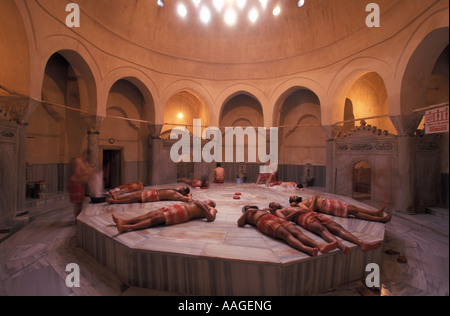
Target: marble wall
[
  {"x": 378, "y": 151},
  {"x": 9, "y": 136}
]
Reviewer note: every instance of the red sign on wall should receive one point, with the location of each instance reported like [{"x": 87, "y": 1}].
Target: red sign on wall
[{"x": 436, "y": 121}]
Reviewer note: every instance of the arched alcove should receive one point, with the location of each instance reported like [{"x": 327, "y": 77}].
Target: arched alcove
[
  {"x": 181, "y": 110},
  {"x": 301, "y": 136},
  {"x": 124, "y": 134},
  {"x": 367, "y": 99}
]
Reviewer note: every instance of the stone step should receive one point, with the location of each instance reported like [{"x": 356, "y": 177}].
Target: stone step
[
  {"x": 5, "y": 231},
  {"x": 438, "y": 211}
]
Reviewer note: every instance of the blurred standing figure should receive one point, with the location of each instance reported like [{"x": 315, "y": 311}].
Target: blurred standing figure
[{"x": 81, "y": 173}]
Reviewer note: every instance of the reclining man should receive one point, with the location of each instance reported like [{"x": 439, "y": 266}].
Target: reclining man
[
  {"x": 337, "y": 208},
  {"x": 321, "y": 225},
  {"x": 197, "y": 183},
  {"x": 169, "y": 215},
  {"x": 276, "y": 227},
  {"x": 183, "y": 194},
  {"x": 125, "y": 188}
]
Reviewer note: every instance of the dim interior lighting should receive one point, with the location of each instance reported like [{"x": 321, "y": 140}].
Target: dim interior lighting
[
  {"x": 241, "y": 4},
  {"x": 263, "y": 3},
  {"x": 277, "y": 10},
  {"x": 253, "y": 15},
  {"x": 230, "y": 16},
  {"x": 181, "y": 10},
  {"x": 229, "y": 10},
  {"x": 205, "y": 15},
  {"x": 219, "y": 4}
]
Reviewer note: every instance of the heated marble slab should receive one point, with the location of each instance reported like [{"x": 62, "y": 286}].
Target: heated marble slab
[{"x": 220, "y": 258}]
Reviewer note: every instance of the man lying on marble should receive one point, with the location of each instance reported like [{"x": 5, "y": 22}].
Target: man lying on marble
[
  {"x": 278, "y": 228},
  {"x": 182, "y": 194},
  {"x": 197, "y": 183},
  {"x": 340, "y": 209},
  {"x": 321, "y": 225},
  {"x": 124, "y": 189},
  {"x": 286, "y": 185},
  {"x": 169, "y": 215}
]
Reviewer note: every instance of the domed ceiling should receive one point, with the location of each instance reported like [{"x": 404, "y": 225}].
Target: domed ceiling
[{"x": 318, "y": 24}]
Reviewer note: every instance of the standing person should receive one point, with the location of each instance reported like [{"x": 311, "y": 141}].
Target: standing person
[
  {"x": 81, "y": 173},
  {"x": 219, "y": 174}
]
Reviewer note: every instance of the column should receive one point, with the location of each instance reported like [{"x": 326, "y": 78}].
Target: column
[
  {"x": 93, "y": 140},
  {"x": 161, "y": 169},
  {"x": 331, "y": 131},
  {"x": 404, "y": 186}
]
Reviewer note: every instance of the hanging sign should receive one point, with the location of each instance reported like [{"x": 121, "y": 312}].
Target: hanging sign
[{"x": 436, "y": 121}]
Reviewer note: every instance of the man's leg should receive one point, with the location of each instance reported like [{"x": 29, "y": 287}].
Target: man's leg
[
  {"x": 77, "y": 207},
  {"x": 282, "y": 233},
  {"x": 375, "y": 216},
  {"x": 157, "y": 220},
  {"x": 134, "y": 197},
  {"x": 340, "y": 231},
  {"x": 322, "y": 231},
  {"x": 324, "y": 248},
  {"x": 138, "y": 219}
]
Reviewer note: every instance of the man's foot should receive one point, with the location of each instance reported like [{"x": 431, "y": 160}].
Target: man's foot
[
  {"x": 120, "y": 224},
  {"x": 313, "y": 252},
  {"x": 386, "y": 219},
  {"x": 346, "y": 250},
  {"x": 368, "y": 246},
  {"x": 380, "y": 212},
  {"x": 328, "y": 247}
]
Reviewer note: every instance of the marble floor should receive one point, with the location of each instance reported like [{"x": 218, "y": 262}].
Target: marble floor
[{"x": 33, "y": 261}]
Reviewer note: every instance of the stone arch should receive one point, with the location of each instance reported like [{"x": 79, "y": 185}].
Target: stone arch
[
  {"x": 417, "y": 76},
  {"x": 242, "y": 89},
  {"x": 81, "y": 60},
  {"x": 193, "y": 88},
  {"x": 302, "y": 138},
  {"x": 346, "y": 77},
  {"x": 287, "y": 88},
  {"x": 141, "y": 81}
]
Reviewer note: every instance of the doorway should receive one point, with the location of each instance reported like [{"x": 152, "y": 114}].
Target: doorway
[
  {"x": 112, "y": 168},
  {"x": 362, "y": 181}
]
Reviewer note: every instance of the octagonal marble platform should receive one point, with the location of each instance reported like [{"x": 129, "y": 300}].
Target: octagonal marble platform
[{"x": 220, "y": 258}]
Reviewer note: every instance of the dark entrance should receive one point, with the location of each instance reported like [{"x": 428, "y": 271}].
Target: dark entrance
[{"x": 112, "y": 168}]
